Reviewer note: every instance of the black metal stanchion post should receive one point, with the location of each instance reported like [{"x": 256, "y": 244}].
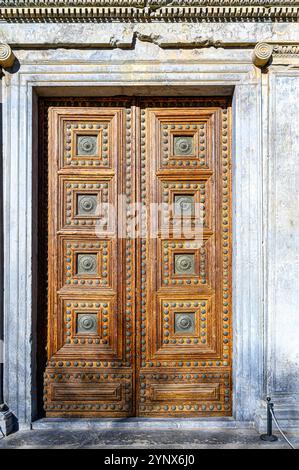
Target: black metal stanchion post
[{"x": 269, "y": 436}]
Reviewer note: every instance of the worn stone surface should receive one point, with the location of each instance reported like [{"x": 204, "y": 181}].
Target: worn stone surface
[
  {"x": 165, "y": 35},
  {"x": 144, "y": 56},
  {"x": 283, "y": 236},
  {"x": 143, "y": 424},
  {"x": 6, "y": 423},
  {"x": 154, "y": 439}
]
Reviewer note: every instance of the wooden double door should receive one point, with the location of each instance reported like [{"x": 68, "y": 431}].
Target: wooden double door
[{"x": 139, "y": 258}]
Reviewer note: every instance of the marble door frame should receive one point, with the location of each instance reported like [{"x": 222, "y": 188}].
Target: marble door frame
[{"x": 230, "y": 72}]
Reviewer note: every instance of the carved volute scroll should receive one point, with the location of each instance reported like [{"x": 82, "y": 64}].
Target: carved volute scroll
[
  {"x": 262, "y": 54},
  {"x": 7, "y": 57}
]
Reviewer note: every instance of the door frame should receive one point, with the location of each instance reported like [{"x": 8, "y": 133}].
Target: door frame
[{"x": 20, "y": 150}]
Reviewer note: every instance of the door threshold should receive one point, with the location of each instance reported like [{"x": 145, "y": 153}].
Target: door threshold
[{"x": 140, "y": 423}]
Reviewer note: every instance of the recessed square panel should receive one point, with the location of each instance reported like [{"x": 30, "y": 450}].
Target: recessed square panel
[
  {"x": 184, "y": 323},
  {"x": 87, "y": 323},
  {"x": 185, "y": 141},
  {"x": 90, "y": 143},
  {"x": 91, "y": 325},
  {"x": 86, "y": 204},
  {"x": 183, "y": 145},
  {"x": 185, "y": 328},
  {"x": 184, "y": 205},
  {"x": 184, "y": 263},
  {"x": 87, "y": 263},
  {"x": 87, "y": 145}
]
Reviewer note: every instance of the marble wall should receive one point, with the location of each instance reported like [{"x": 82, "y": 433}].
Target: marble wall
[{"x": 282, "y": 241}]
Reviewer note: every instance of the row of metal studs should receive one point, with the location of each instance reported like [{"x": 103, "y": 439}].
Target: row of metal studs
[{"x": 129, "y": 242}]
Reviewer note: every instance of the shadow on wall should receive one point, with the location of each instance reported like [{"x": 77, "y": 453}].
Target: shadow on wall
[{"x": 15, "y": 68}]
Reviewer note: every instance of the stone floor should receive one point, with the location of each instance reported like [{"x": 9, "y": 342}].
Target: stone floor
[{"x": 145, "y": 439}]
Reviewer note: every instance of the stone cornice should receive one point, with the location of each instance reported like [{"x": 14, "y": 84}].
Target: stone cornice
[{"x": 149, "y": 10}]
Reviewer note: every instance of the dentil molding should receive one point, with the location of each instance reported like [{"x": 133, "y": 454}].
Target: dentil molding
[{"x": 149, "y": 10}]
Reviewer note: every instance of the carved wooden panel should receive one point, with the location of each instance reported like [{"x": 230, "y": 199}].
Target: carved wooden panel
[
  {"x": 86, "y": 201},
  {"x": 173, "y": 356},
  {"x": 184, "y": 330}
]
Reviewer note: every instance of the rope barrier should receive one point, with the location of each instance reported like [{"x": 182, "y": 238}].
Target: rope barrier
[
  {"x": 271, "y": 415},
  {"x": 280, "y": 430}
]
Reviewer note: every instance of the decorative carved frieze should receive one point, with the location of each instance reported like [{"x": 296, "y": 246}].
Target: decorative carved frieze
[
  {"x": 7, "y": 57},
  {"x": 144, "y": 10},
  {"x": 281, "y": 49}
]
